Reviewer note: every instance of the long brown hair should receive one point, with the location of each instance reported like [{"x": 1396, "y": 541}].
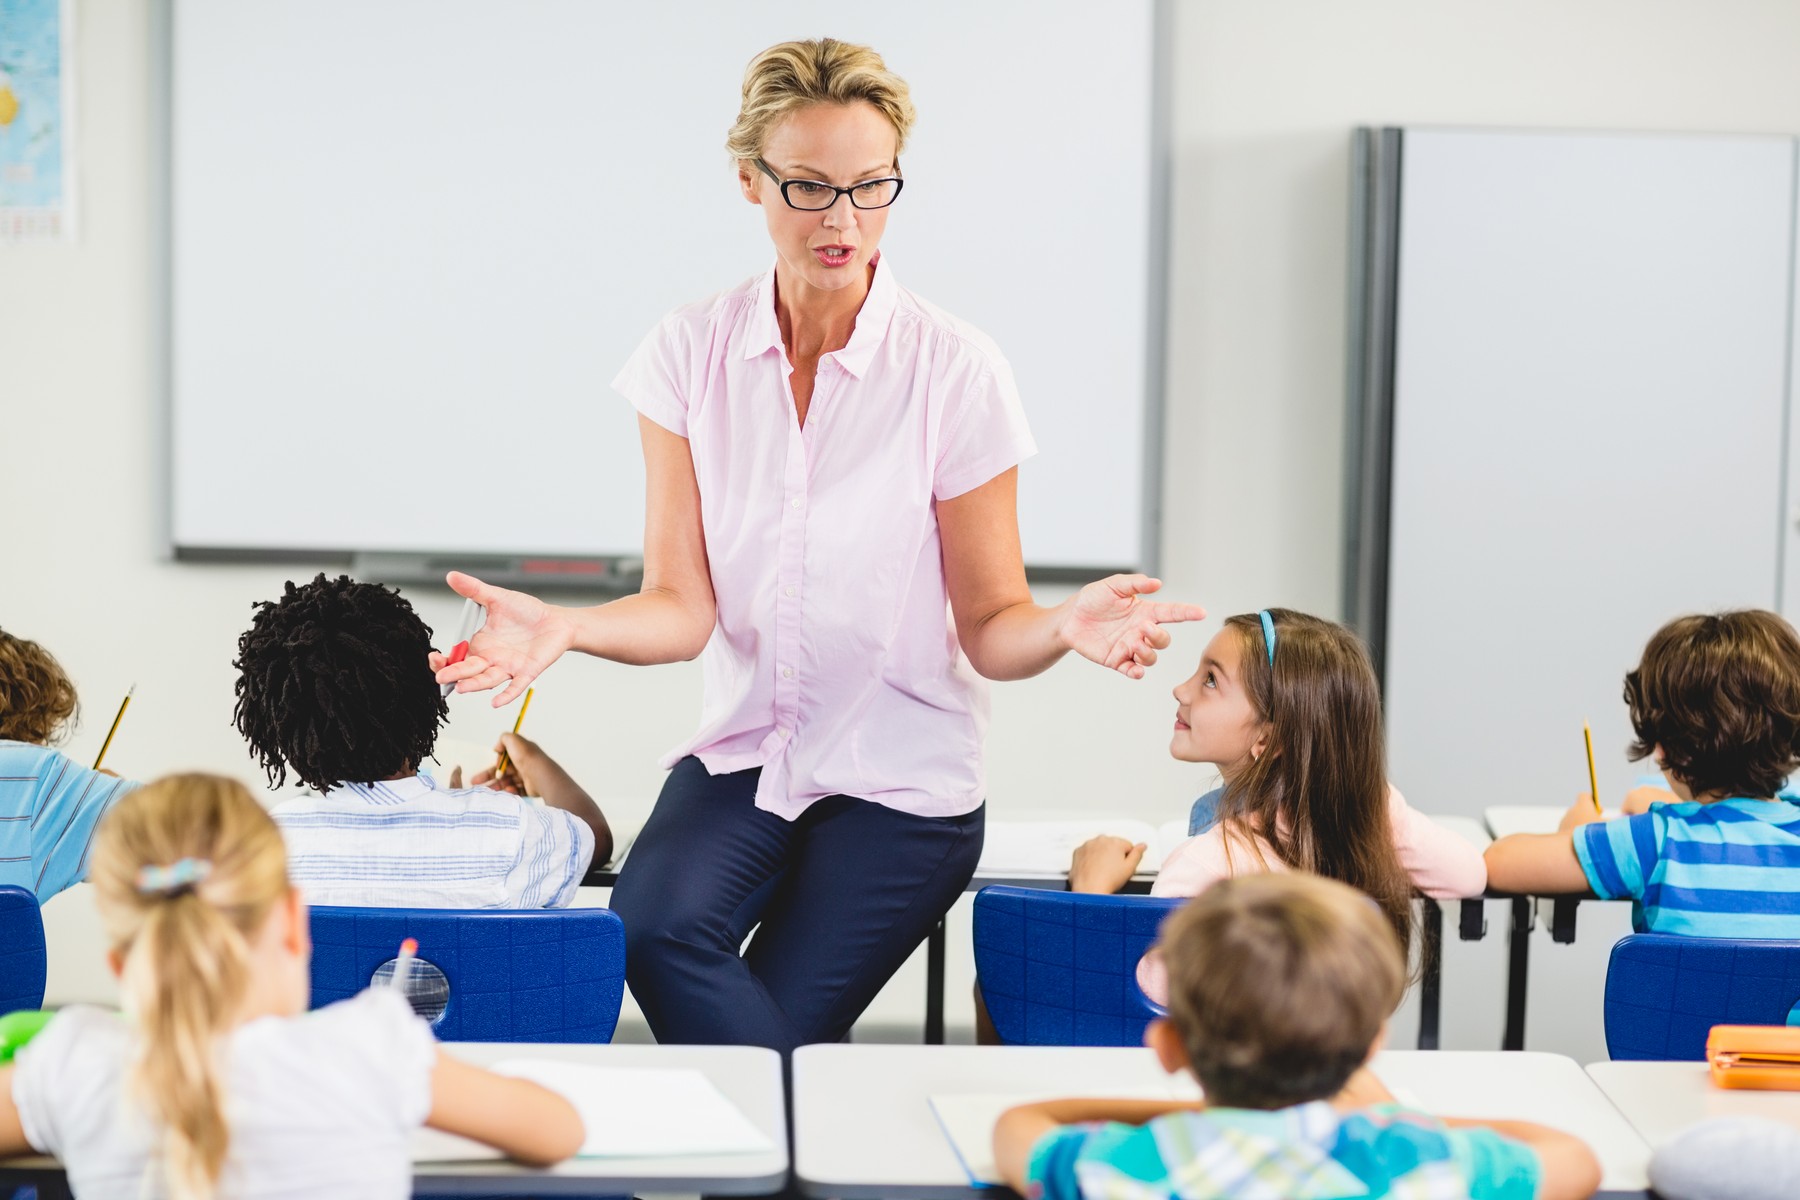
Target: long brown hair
[
  {"x": 1318, "y": 795},
  {"x": 185, "y": 942}
]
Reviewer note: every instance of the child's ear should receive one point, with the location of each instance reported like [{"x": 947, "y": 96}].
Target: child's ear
[
  {"x": 115, "y": 962},
  {"x": 1165, "y": 1042},
  {"x": 297, "y": 935},
  {"x": 1260, "y": 746}
]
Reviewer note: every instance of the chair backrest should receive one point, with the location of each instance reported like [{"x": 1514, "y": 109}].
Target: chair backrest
[
  {"x": 23, "y": 962},
  {"x": 1664, "y": 993},
  {"x": 1060, "y": 968},
  {"x": 499, "y": 975}
]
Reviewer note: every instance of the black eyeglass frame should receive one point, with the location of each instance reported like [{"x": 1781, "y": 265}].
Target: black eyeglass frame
[{"x": 784, "y": 184}]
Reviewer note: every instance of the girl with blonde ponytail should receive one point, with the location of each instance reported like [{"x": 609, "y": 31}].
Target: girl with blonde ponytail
[{"x": 217, "y": 1083}]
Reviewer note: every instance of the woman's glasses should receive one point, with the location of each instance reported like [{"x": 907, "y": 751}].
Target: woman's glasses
[{"x": 810, "y": 195}]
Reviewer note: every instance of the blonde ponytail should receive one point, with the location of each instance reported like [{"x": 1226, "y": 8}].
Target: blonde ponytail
[{"x": 185, "y": 872}]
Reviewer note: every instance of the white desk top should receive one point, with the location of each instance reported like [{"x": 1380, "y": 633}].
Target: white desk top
[
  {"x": 1660, "y": 1099},
  {"x": 864, "y": 1126},
  {"x": 1504, "y": 820},
  {"x": 749, "y": 1076}
]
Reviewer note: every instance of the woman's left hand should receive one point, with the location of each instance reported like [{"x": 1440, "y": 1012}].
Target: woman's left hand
[{"x": 1110, "y": 623}]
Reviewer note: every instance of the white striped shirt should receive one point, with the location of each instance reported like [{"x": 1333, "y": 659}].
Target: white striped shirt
[{"x": 409, "y": 843}]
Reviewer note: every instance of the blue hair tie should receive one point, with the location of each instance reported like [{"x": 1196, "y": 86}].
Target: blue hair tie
[
  {"x": 174, "y": 878},
  {"x": 1268, "y": 623}
]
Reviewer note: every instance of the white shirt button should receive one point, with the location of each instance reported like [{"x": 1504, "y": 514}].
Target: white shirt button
[
  {"x": 787, "y": 672},
  {"x": 796, "y": 502},
  {"x": 781, "y": 732},
  {"x": 789, "y": 590}
]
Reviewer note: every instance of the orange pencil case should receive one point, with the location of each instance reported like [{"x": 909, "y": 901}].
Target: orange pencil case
[{"x": 1764, "y": 1057}]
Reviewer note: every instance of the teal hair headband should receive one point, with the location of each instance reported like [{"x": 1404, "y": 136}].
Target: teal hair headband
[{"x": 1268, "y": 623}]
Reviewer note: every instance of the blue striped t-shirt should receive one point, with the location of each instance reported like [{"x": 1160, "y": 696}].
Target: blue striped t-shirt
[
  {"x": 1728, "y": 868},
  {"x": 49, "y": 806}
]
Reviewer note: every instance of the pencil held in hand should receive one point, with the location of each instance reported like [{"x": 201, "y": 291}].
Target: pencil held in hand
[
  {"x": 517, "y": 725},
  {"x": 107, "y": 744}
]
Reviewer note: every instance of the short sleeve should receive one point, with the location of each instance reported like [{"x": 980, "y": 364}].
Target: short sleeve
[
  {"x": 1618, "y": 856},
  {"x": 985, "y": 431},
  {"x": 63, "y": 825},
  {"x": 1496, "y": 1167},
  {"x": 378, "y": 1029},
  {"x": 47, "y": 1070},
  {"x": 654, "y": 378},
  {"x": 554, "y": 853},
  {"x": 1051, "y": 1172}
]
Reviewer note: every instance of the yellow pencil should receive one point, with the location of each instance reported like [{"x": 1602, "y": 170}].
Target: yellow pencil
[
  {"x": 516, "y": 726},
  {"x": 104, "y": 746},
  {"x": 1587, "y": 734}
]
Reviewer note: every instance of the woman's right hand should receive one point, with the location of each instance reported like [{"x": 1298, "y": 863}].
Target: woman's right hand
[{"x": 520, "y": 640}]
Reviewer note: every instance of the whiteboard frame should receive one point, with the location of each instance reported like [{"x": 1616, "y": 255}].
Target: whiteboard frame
[{"x": 619, "y": 575}]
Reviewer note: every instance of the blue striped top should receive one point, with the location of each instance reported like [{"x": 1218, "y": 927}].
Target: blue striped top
[
  {"x": 49, "y": 806},
  {"x": 1729, "y": 868}
]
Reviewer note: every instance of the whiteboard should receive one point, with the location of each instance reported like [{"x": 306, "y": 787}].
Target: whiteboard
[
  {"x": 411, "y": 246},
  {"x": 1590, "y": 397}
]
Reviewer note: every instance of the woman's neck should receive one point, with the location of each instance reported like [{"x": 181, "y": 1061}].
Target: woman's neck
[{"x": 813, "y": 321}]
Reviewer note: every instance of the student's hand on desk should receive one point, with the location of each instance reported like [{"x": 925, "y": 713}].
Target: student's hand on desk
[
  {"x": 1112, "y": 624},
  {"x": 1580, "y": 813},
  {"x": 1639, "y": 799},
  {"x": 520, "y": 640},
  {"x": 1103, "y": 865}
]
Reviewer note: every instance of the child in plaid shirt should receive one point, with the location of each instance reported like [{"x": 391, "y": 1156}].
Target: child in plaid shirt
[{"x": 1280, "y": 990}]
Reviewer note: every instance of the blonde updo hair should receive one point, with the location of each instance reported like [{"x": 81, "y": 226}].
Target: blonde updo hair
[{"x": 788, "y": 77}]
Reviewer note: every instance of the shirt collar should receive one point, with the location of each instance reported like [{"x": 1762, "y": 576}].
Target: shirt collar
[
  {"x": 391, "y": 791},
  {"x": 763, "y": 332}
]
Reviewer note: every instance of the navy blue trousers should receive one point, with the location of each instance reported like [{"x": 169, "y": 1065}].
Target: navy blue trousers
[{"x": 838, "y": 898}]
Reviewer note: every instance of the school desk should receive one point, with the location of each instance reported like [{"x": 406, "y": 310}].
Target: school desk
[
  {"x": 1661, "y": 1099},
  {"x": 749, "y": 1076},
  {"x": 864, "y": 1127}
]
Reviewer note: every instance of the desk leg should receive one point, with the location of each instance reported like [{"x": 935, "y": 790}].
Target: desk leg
[
  {"x": 1431, "y": 972},
  {"x": 1518, "y": 960},
  {"x": 934, "y": 986}
]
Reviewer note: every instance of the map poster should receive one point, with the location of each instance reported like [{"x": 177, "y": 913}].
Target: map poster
[{"x": 36, "y": 149}]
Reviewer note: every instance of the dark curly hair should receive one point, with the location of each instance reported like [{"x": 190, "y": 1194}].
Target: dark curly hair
[
  {"x": 334, "y": 685},
  {"x": 1720, "y": 696},
  {"x": 37, "y": 701}
]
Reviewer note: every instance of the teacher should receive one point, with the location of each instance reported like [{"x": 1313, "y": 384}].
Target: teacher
[{"x": 832, "y": 471}]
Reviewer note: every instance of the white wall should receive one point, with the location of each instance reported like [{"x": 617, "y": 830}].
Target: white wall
[{"x": 1266, "y": 93}]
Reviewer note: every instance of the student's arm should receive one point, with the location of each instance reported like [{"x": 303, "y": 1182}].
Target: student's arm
[
  {"x": 1569, "y": 1170},
  {"x": 1008, "y": 636},
  {"x": 531, "y": 772},
  {"x": 1019, "y": 1129},
  {"x": 12, "y": 1130},
  {"x": 529, "y": 1123},
  {"x": 1103, "y": 865},
  {"x": 1441, "y": 864},
  {"x": 668, "y": 620},
  {"x": 1537, "y": 863}
]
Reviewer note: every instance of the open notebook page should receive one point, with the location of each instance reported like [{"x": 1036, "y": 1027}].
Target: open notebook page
[
  {"x": 629, "y": 1112},
  {"x": 968, "y": 1118}
]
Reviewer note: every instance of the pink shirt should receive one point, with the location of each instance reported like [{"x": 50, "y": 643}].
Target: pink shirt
[
  {"x": 834, "y": 665},
  {"x": 1442, "y": 865}
]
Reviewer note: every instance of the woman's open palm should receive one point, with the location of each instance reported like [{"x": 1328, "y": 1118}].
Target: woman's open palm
[
  {"x": 1112, "y": 624},
  {"x": 520, "y": 640}
]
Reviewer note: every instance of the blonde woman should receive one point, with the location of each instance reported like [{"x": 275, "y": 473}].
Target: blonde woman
[
  {"x": 216, "y": 1081},
  {"x": 832, "y": 466}
]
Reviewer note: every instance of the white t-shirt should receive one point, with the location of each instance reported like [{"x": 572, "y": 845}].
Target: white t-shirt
[{"x": 319, "y": 1105}]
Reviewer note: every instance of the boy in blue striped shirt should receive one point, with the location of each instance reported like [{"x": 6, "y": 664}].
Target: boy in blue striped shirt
[
  {"x": 335, "y": 685},
  {"x": 1716, "y": 702},
  {"x": 1280, "y": 986},
  {"x": 49, "y": 804}
]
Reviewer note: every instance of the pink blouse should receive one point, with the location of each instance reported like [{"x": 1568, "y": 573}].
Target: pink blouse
[
  {"x": 1442, "y": 864},
  {"x": 834, "y": 665}
]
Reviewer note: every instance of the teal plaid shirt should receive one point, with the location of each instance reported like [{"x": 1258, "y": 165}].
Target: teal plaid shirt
[{"x": 1308, "y": 1152}]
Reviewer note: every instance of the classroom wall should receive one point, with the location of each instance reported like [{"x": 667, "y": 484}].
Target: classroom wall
[{"x": 1266, "y": 92}]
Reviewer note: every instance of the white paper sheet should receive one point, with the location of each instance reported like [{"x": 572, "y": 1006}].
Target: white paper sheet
[
  {"x": 1045, "y": 847},
  {"x": 967, "y": 1119},
  {"x": 630, "y": 1112}
]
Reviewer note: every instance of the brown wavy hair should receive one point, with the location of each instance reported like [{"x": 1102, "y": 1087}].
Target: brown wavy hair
[
  {"x": 1720, "y": 695},
  {"x": 1319, "y": 794},
  {"x": 37, "y": 700},
  {"x": 186, "y": 951},
  {"x": 1278, "y": 985}
]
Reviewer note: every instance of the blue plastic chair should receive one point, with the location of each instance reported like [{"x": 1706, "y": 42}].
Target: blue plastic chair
[
  {"x": 538, "y": 975},
  {"x": 1665, "y": 993},
  {"x": 23, "y": 962},
  {"x": 1060, "y": 968}
]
